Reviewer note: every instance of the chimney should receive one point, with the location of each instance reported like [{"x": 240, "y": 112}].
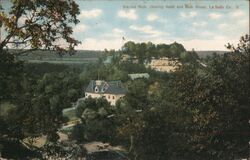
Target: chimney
[{"x": 98, "y": 82}]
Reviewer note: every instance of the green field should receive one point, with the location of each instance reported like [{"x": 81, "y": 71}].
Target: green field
[
  {"x": 80, "y": 57},
  {"x": 63, "y": 61}
]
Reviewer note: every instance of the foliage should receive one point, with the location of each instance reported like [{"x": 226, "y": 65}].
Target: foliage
[
  {"x": 201, "y": 114},
  {"x": 145, "y": 51},
  {"x": 35, "y": 25},
  {"x": 41, "y": 102},
  {"x": 96, "y": 124},
  {"x": 16, "y": 150},
  {"x": 40, "y": 24},
  {"x": 215, "y": 99},
  {"x": 10, "y": 75},
  {"x": 137, "y": 94},
  {"x": 189, "y": 57}
]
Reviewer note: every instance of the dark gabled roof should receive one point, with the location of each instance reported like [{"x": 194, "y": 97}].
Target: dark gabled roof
[{"x": 112, "y": 87}]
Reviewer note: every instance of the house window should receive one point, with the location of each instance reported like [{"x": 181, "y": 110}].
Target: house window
[
  {"x": 113, "y": 97},
  {"x": 86, "y": 95},
  {"x": 96, "y": 89},
  {"x": 103, "y": 89},
  {"x": 109, "y": 97}
]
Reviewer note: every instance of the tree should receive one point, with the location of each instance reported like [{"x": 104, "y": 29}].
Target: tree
[
  {"x": 150, "y": 134},
  {"x": 40, "y": 24},
  {"x": 214, "y": 100},
  {"x": 204, "y": 115},
  {"x": 137, "y": 96},
  {"x": 77, "y": 133},
  {"x": 34, "y": 25},
  {"x": 129, "y": 48},
  {"x": 176, "y": 49},
  {"x": 10, "y": 76},
  {"x": 189, "y": 57},
  {"x": 151, "y": 50},
  {"x": 96, "y": 124}
]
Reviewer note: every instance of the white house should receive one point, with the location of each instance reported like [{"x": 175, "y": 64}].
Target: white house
[{"x": 111, "y": 91}]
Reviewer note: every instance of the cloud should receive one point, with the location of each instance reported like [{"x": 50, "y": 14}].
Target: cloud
[
  {"x": 223, "y": 38},
  {"x": 217, "y": 43},
  {"x": 80, "y": 28},
  {"x": 243, "y": 23},
  {"x": 152, "y": 17},
  {"x": 128, "y": 14},
  {"x": 146, "y": 29},
  {"x": 223, "y": 26},
  {"x": 214, "y": 16},
  {"x": 206, "y": 33},
  {"x": 100, "y": 44},
  {"x": 117, "y": 31},
  {"x": 188, "y": 15},
  {"x": 239, "y": 28},
  {"x": 237, "y": 13},
  {"x": 115, "y": 43},
  {"x": 94, "y": 13},
  {"x": 199, "y": 24}
]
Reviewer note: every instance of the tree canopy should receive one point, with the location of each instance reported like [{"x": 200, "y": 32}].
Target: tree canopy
[
  {"x": 145, "y": 51},
  {"x": 39, "y": 24}
]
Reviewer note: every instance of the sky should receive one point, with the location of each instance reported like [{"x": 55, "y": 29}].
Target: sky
[
  {"x": 108, "y": 24},
  {"x": 103, "y": 24}
]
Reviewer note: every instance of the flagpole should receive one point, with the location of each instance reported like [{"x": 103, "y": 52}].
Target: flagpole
[{"x": 123, "y": 42}]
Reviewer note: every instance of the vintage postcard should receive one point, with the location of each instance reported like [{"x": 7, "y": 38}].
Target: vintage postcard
[{"x": 125, "y": 79}]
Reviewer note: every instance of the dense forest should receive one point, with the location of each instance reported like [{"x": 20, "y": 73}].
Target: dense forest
[
  {"x": 196, "y": 112},
  {"x": 199, "y": 111}
]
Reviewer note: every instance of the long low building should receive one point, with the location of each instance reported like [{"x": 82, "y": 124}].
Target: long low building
[
  {"x": 138, "y": 75},
  {"x": 112, "y": 91}
]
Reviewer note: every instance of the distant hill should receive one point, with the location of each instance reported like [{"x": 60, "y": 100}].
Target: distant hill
[
  {"x": 81, "y": 56},
  {"x": 203, "y": 54}
]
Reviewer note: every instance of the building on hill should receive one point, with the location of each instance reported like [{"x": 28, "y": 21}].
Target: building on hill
[
  {"x": 138, "y": 75},
  {"x": 111, "y": 91},
  {"x": 128, "y": 58},
  {"x": 163, "y": 64}
]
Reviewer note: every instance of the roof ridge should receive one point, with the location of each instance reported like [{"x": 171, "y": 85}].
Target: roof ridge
[{"x": 112, "y": 87}]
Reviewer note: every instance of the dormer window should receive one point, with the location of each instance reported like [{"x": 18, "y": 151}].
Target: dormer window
[
  {"x": 96, "y": 89},
  {"x": 103, "y": 89}
]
